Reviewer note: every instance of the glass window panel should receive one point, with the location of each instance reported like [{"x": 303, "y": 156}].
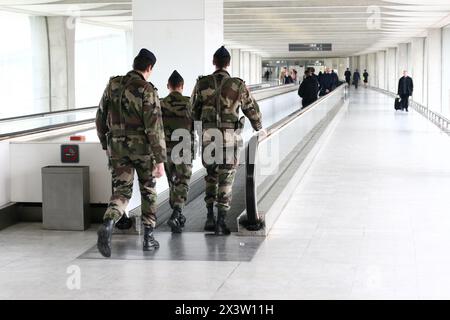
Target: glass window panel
[
  {"x": 100, "y": 53},
  {"x": 16, "y": 65}
]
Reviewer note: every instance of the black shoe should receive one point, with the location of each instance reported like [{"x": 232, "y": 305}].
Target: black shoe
[
  {"x": 124, "y": 223},
  {"x": 221, "y": 227},
  {"x": 210, "y": 224},
  {"x": 104, "y": 237},
  {"x": 407, "y": 110},
  {"x": 176, "y": 221},
  {"x": 149, "y": 241}
]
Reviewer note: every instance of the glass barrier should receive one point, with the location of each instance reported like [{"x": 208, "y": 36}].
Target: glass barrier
[
  {"x": 53, "y": 120},
  {"x": 19, "y": 125},
  {"x": 269, "y": 157}
]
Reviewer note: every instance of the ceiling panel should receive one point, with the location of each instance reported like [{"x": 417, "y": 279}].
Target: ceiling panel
[{"x": 267, "y": 26}]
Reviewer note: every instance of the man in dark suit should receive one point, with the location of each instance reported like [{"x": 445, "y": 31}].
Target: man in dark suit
[
  {"x": 326, "y": 82},
  {"x": 309, "y": 89},
  {"x": 348, "y": 76},
  {"x": 405, "y": 90}
]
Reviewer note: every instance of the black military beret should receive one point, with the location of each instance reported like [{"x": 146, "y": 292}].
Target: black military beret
[
  {"x": 175, "y": 78},
  {"x": 222, "y": 53},
  {"x": 147, "y": 54}
]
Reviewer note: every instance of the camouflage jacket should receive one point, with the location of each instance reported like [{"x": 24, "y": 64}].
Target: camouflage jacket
[
  {"x": 177, "y": 114},
  {"x": 216, "y": 101},
  {"x": 129, "y": 120}
]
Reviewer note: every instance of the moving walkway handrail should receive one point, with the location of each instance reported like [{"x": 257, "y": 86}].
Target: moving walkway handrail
[
  {"x": 15, "y": 134},
  {"x": 43, "y": 114},
  {"x": 254, "y": 221}
]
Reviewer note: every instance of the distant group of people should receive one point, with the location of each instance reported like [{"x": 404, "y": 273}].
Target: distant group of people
[
  {"x": 287, "y": 77},
  {"x": 356, "y": 78},
  {"x": 314, "y": 86}
]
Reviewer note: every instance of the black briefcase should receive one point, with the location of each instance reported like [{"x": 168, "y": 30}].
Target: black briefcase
[{"x": 397, "y": 104}]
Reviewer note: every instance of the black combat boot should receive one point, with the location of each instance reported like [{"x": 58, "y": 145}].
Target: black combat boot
[
  {"x": 124, "y": 223},
  {"x": 104, "y": 237},
  {"x": 221, "y": 227},
  {"x": 176, "y": 221},
  {"x": 210, "y": 224},
  {"x": 149, "y": 241}
]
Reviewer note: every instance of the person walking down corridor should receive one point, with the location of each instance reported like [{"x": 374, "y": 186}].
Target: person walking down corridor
[
  {"x": 177, "y": 116},
  {"x": 335, "y": 79},
  {"x": 405, "y": 90},
  {"x": 217, "y": 101},
  {"x": 267, "y": 75},
  {"x": 348, "y": 76},
  {"x": 283, "y": 74},
  {"x": 130, "y": 129},
  {"x": 365, "y": 78},
  {"x": 309, "y": 89},
  {"x": 356, "y": 78}
]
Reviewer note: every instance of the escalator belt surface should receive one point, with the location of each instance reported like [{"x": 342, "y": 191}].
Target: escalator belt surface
[{"x": 195, "y": 210}]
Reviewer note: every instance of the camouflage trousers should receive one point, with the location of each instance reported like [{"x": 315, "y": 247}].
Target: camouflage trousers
[
  {"x": 122, "y": 178},
  {"x": 178, "y": 176},
  {"x": 219, "y": 184}
]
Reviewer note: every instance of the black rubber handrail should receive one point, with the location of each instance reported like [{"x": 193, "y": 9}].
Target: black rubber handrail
[
  {"x": 43, "y": 114},
  {"x": 45, "y": 129},
  {"x": 254, "y": 221}
]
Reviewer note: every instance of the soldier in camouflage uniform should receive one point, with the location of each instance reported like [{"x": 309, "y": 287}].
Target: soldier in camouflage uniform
[
  {"x": 216, "y": 101},
  {"x": 177, "y": 114},
  {"x": 129, "y": 126}
]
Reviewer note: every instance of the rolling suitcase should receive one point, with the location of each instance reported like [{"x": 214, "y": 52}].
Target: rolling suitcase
[{"x": 397, "y": 104}]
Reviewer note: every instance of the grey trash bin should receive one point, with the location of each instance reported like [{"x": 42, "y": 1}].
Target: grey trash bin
[{"x": 65, "y": 197}]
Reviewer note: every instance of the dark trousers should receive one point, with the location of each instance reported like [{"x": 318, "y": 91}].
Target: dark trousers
[
  {"x": 307, "y": 102},
  {"x": 404, "y": 102}
]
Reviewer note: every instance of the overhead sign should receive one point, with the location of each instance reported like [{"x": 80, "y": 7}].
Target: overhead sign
[{"x": 310, "y": 47}]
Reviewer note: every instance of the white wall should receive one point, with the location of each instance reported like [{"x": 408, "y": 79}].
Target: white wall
[
  {"x": 5, "y": 179},
  {"x": 184, "y": 39},
  {"x": 391, "y": 62}
]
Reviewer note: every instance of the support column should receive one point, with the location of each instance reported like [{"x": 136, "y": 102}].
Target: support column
[
  {"x": 444, "y": 71},
  {"x": 236, "y": 63},
  {"x": 41, "y": 67},
  {"x": 371, "y": 69},
  {"x": 417, "y": 60},
  {"x": 362, "y": 63},
  {"x": 253, "y": 68},
  {"x": 245, "y": 63},
  {"x": 391, "y": 69},
  {"x": 259, "y": 69},
  {"x": 184, "y": 39},
  {"x": 61, "y": 40},
  {"x": 433, "y": 85},
  {"x": 380, "y": 66}
]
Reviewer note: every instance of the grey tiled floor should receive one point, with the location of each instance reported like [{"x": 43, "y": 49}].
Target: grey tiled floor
[{"x": 369, "y": 220}]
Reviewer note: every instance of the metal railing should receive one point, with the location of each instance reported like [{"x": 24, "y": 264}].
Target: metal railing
[
  {"x": 435, "y": 117},
  {"x": 254, "y": 220}
]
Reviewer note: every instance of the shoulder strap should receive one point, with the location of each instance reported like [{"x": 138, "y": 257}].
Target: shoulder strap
[
  {"x": 218, "y": 89},
  {"x": 122, "y": 91}
]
